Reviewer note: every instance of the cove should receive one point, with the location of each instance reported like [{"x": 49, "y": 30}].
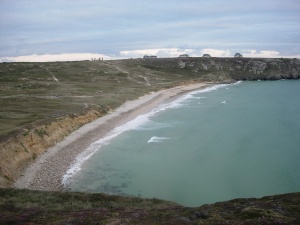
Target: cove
[{"x": 229, "y": 141}]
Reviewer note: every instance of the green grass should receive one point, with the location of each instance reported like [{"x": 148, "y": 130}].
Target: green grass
[
  {"x": 29, "y": 92},
  {"x": 37, "y": 207},
  {"x": 20, "y": 199}
]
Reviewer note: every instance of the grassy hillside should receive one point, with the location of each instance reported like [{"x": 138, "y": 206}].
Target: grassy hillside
[
  {"x": 35, "y": 207},
  {"x": 41, "y": 103},
  {"x": 39, "y": 92}
]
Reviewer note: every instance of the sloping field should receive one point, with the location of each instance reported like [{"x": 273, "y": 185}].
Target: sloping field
[
  {"x": 39, "y": 92},
  {"x": 42, "y": 103},
  {"x": 33, "y": 92},
  {"x": 36, "y": 207}
]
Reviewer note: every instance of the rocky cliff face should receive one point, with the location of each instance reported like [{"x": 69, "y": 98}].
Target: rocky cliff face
[
  {"x": 141, "y": 75},
  {"x": 36, "y": 207},
  {"x": 16, "y": 153},
  {"x": 225, "y": 69}
]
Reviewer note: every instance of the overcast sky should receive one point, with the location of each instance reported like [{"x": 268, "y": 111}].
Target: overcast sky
[{"x": 40, "y": 30}]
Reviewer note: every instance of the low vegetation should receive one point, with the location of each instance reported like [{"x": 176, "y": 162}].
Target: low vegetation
[
  {"x": 36, "y": 207},
  {"x": 32, "y": 93},
  {"x": 41, "y": 103}
]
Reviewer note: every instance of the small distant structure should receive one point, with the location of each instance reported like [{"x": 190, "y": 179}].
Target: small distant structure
[
  {"x": 150, "y": 57},
  {"x": 184, "y": 56},
  {"x": 206, "y": 56},
  {"x": 238, "y": 55},
  {"x": 95, "y": 59}
]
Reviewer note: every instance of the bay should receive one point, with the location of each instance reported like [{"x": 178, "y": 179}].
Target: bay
[{"x": 225, "y": 142}]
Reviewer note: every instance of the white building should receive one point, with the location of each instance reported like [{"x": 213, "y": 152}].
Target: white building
[
  {"x": 184, "y": 56},
  {"x": 206, "y": 55},
  {"x": 238, "y": 55},
  {"x": 150, "y": 57}
]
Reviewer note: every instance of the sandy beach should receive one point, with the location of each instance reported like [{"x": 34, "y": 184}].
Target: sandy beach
[{"x": 47, "y": 171}]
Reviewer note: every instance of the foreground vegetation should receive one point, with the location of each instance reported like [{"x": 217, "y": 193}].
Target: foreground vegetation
[
  {"x": 32, "y": 93},
  {"x": 36, "y": 207},
  {"x": 41, "y": 103}
]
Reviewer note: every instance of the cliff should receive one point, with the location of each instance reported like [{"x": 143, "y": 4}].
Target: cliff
[
  {"x": 35, "y": 207},
  {"x": 19, "y": 151},
  {"x": 226, "y": 69},
  {"x": 41, "y": 103}
]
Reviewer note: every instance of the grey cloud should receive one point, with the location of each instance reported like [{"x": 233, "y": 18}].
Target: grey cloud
[{"x": 111, "y": 26}]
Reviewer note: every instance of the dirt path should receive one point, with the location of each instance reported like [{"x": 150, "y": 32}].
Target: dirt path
[{"x": 47, "y": 171}]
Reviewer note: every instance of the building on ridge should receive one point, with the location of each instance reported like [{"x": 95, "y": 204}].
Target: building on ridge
[
  {"x": 206, "y": 55},
  {"x": 184, "y": 56},
  {"x": 150, "y": 57},
  {"x": 238, "y": 55}
]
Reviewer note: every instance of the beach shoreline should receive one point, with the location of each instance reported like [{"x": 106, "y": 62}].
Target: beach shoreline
[{"x": 47, "y": 171}]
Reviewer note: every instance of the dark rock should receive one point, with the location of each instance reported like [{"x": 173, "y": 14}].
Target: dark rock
[
  {"x": 201, "y": 214},
  {"x": 135, "y": 215},
  {"x": 184, "y": 219}
]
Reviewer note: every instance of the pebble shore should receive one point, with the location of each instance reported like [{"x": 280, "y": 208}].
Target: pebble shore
[{"x": 47, "y": 171}]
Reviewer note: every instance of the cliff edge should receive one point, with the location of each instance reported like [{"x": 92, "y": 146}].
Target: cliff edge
[{"x": 41, "y": 103}]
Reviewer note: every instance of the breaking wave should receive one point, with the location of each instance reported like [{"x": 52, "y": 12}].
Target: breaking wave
[
  {"x": 152, "y": 125},
  {"x": 140, "y": 122},
  {"x": 156, "y": 139}
]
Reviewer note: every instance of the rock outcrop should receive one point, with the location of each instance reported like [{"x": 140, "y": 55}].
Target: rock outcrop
[
  {"x": 36, "y": 207},
  {"x": 224, "y": 69},
  {"x": 19, "y": 151}
]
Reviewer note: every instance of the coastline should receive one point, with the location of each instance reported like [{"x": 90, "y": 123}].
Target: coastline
[{"x": 47, "y": 171}]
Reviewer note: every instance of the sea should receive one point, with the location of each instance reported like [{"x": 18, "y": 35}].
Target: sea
[{"x": 228, "y": 141}]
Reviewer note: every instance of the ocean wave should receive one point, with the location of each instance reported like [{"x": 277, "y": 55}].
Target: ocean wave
[
  {"x": 86, "y": 154},
  {"x": 152, "y": 125},
  {"x": 194, "y": 94},
  {"x": 238, "y": 82},
  {"x": 179, "y": 103},
  {"x": 156, "y": 139},
  {"x": 136, "y": 123}
]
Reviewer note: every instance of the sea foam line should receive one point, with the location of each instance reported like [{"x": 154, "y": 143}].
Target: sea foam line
[
  {"x": 133, "y": 124},
  {"x": 86, "y": 154},
  {"x": 156, "y": 139}
]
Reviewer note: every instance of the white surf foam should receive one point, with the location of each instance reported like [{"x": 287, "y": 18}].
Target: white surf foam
[
  {"x": 238, "y": 82},
  {"x": 152, "y": 125},
  {"x": 156, "y": 139},
  {"x": 192, "y": 95},
  {"x": 133, "y": 124},
  {"x": 86, "y": 154}
]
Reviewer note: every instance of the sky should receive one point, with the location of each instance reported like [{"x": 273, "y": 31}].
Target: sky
[{"x": 62, "y": 30}]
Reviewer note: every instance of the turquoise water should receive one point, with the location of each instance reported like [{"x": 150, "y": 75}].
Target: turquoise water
[{"x": 230, "y": 141}]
